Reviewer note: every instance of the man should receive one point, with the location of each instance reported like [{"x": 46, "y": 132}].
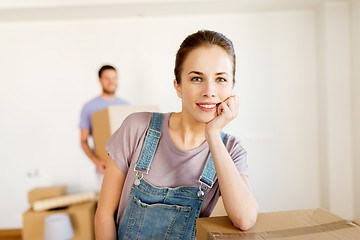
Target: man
[{"x": 109, "y": 81}]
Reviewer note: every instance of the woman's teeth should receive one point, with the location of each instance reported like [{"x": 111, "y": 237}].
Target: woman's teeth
[{"x": 207, "y": 106}]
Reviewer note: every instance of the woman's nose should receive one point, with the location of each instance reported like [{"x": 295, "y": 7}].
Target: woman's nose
[{"x": 209, "y": 90}]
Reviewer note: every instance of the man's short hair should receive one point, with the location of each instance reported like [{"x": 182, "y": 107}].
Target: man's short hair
[{"x": 106, "y": 67}]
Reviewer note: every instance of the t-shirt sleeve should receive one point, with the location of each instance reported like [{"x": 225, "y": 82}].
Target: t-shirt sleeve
[
  {"x": 85, "y": 121},
  {"x": 237, "y": 153},
  {"x": 126, "y": 139}
]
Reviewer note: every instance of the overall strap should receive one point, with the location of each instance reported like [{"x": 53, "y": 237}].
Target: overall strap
[
  {"x": 208, "y": 173},
  {"x": 150, "y": 144}
]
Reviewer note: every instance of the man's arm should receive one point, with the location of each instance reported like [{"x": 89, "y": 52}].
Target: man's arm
[{"x": 100, "y": 164}]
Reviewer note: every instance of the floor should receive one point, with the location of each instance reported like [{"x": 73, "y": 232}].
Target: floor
[{"x": 10, "y": 234}]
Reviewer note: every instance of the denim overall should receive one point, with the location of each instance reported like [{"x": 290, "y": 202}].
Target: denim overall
[{"x": 162, "y": 212}]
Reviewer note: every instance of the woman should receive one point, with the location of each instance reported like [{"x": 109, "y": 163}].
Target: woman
[{"x": 160, "y": 175}]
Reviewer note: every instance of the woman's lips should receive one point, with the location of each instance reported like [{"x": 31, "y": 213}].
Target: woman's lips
[{"x": 207, "y": 107}]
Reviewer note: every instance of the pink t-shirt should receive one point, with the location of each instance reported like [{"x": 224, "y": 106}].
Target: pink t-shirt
[{"x": 171, "y": 166}]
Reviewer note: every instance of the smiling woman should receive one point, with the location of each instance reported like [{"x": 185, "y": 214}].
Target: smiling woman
[
  {"x": 206, "y": 82},
  {"x": 192, "y": 161}
]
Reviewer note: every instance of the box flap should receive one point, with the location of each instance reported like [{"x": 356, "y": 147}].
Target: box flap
[{"x": 299, "y": 224}]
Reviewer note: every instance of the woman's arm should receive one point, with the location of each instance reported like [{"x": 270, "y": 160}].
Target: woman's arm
[
  {"x": 239, "y": 202},
  {"x": 109, "y": 201}
]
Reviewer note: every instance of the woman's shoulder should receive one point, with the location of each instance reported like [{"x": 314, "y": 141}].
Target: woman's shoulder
[
  {"x": 138, "y": 117},
  {"x": 141, "y": 119},
  {"x": 137, "y": 120},
  {"x": 133, "y": 126},
  {"x": 232, "y": 141}
]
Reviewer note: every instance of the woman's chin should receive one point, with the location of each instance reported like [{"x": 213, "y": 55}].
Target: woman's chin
[{"x": 206, "y": 118}]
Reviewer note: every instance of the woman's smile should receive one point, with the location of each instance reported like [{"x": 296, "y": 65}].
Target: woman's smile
[
  {"x": 206, "y": 81},
  {"x": 207, "y": 107}
]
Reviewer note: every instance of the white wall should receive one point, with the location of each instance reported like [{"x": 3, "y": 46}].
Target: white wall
[
  {"x": 336, "y": 162},
  {"x": 48, "y": 71},
  {"x": 356, "y": 102}
]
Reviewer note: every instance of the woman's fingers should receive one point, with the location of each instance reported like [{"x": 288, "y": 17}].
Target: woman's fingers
[
  {"x": 223, "y": 108},
  {"x": 232, "y": 106},
  {"x": 226, "y": 111}
]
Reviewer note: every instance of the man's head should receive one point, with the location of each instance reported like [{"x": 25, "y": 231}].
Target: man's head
[{"x": 108, "y": 79}]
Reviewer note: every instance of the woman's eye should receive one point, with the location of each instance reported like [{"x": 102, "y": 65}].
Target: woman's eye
[
  {"x": 221, "y": 80},
  {"x": 196, "y": 79}
]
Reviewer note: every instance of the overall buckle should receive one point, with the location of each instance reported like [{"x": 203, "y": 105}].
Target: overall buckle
[{"x": 138, "y": 178}]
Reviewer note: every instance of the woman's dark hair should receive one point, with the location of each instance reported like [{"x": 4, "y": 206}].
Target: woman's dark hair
[
  {"x": 199, "y": 39},
  {"x": 106, "y": 67}
]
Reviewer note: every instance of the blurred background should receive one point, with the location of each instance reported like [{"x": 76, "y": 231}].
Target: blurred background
[{"x": 298, "y": 78}]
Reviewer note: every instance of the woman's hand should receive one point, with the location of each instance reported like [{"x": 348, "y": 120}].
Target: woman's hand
[
  {"x": 226, "y": 112},
  {"x": 239, "y": 202}
]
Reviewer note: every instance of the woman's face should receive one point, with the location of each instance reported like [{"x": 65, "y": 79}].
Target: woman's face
[{"x": 206, "y": 81}]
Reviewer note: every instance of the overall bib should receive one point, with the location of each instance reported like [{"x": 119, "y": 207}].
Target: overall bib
[{"x": 162, "y": 212}]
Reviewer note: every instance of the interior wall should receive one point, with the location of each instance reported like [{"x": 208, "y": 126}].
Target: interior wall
[
  {"x": 335, "y": 125},
  {"x": 355, "y": 24},
  {"x": 49, "y": 71}
]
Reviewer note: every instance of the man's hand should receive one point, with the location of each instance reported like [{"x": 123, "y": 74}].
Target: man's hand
[{"x": 100, "y": 165}]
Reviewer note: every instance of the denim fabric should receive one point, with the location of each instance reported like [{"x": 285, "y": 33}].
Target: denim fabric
[
  {"x": 208, "y": 174},
  {"x": 162, "y": 212},
  {"x": 151, "y": 142}
]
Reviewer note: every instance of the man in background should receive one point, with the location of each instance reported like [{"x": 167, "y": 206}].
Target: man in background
[{"x": 109, "y": 82}]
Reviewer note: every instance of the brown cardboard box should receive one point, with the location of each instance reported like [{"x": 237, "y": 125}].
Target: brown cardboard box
[
  {"x": 309, "y": 224},
  {"x": 105, "y": 122},
  {"x": 219, "y": 209},
  {"x": 81, "y": 215},
  {"x": 46, "y": 192}
]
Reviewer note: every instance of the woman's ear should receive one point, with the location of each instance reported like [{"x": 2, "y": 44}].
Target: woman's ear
[{"x": 178, "y": 89}]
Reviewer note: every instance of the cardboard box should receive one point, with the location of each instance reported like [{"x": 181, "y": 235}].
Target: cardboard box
[
  {"x": 81, "y": 215},
  {"x": 105, "y": 122},
  {"x": 46, "y": 192},
  {"x": 219, "y": 209},
  {"x": 309, "y": 224}
]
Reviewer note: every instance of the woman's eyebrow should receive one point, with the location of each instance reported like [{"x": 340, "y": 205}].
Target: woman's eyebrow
[
  {"x": 196, "y": 72},
  {"x": 220, "y": 73},
  {"x": 200, "y": 73}
]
